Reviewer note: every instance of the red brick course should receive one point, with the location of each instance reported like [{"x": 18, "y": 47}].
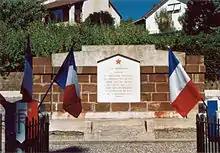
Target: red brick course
[
  {"x": 148, "y": 87},
  {"x": 154, "y": 86},
  {"x": 147, "y": 69},
  {"x": 158, "y": 78},
  {"x": 102, "y": 107},
  {"x": 195, "y": 60},
  {"x": 42, "y": 61},
  {"x": 159, "y": 96},
  {"x": 162, "y": 87},
  {"x": 191, "y": 68},
  {"x": 93, "y": 78},
  {"x": 117, "y": 107},
  {"x": 161, "y": 69},
  {"x": 146, "y": 97},
  {"x": 139, "y": 107},
  {"x": 83, "y": 78}
]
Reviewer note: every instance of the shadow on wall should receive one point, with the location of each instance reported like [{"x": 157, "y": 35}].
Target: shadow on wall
[
  {"x": 212, "y": 85},
  {"x": 74, "y": 149},
  {"x": 12, "y": 82}
]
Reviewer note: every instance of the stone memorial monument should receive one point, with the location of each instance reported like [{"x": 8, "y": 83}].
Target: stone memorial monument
[{"x": 118, "y": 79}]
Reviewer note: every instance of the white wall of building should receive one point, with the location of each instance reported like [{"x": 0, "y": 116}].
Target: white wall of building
[
  {"x": 100, "y": 5},
  {"x": 115, "y": 15},
  {"x": 151, "y": 25},
  {"x": 91, "y": 6},
  {"x": 71, "y": 14},
  {"x": 88, "y": 8},
  {"x": 48, "y": 1}
]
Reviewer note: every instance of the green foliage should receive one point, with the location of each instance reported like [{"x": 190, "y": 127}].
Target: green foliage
[
  {"x": 47, "y": 39},
  {"x": 20, "y": 13},
  {"x": 100, "y": 18},
  {"x": 129, "y": 20},
  {"x": 201, "y": 16},
  {"x": 164, "y": 21}
]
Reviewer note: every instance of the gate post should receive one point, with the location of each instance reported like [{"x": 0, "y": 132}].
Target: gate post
[{"x": 200, "y": 132}]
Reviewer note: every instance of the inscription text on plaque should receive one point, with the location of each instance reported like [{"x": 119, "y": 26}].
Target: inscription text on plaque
[{"x": 118, "y": 80}]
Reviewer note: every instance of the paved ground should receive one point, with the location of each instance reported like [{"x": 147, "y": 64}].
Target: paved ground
[
  {"x": 120, "y": 147},
  {"x": 127, "y": 129},
  {"x": 165, "y": 141}
]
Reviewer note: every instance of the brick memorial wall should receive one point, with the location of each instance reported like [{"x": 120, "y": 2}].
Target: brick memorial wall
[{"x": 154, "y": 87}]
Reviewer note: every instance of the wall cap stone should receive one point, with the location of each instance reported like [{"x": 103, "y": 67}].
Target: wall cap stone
[{"x": 146, "y": 56}]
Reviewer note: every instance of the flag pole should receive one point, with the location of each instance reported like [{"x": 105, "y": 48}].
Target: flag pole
[
  {"x": 74, "y": 43},
  {"x": 206, "y": 107},
  {"x": 45, "y": 94}
]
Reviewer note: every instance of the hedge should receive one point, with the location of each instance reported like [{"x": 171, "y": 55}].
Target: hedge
[{"x": 47, "y": 39}]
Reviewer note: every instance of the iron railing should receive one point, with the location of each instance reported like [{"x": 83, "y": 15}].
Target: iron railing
[
  {"x": 36, "y": 136},
  {"x": 208, "y": 134}
]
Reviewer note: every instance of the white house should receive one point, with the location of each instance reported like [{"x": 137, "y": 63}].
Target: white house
[
  {"x": 76, "y": 11},
  {"x": 175, "y": 7}
]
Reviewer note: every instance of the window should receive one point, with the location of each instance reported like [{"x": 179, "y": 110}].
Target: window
[
  {"x": 174, "y": 8},
  {"x": 57, "y": 15},
  {"x": 177, "y": 7},
  {"x": 170, "y": 8}
]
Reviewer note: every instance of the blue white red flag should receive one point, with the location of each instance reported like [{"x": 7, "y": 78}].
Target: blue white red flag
[
  {"x": 67, "y": 79},
  {"x": 27, "y": 84},
  {"x": 183, "y": 93}
]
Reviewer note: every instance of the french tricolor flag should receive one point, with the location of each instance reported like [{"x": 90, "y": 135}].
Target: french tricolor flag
[
  {"x": 67, "y": 79},
  {"x": 183, "y": 93},
  {"x": 27, "y": 84}
]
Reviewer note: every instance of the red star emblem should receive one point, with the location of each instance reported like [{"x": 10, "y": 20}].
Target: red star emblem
[{"x": 118, "y": 61}]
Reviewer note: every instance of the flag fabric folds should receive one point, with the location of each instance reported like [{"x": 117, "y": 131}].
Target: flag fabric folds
[
  {"x": 27, "y": 84},
  {"x": 67, "y": 79},
  {"x": 183, "y": 93}
]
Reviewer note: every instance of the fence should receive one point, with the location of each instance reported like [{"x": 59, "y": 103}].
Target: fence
[
  {"x": 208, "y": 134},
  {"x": 36, "y": 136}
]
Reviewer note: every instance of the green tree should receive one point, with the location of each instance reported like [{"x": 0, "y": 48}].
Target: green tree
[
  {"x": 216, "y": 14},
  {"x": 20, "y": 13},
  {"x": 100, "y": 18},
  {"x": 201, "y": 16},
  {"x": 129, "y": 20},
  {"x": 164, "y": 21}
]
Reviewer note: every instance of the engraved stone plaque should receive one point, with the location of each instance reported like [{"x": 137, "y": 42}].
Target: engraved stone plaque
[{"x": 118, "y": 80}]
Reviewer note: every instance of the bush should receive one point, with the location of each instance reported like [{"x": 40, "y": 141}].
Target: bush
[
  {"x": 100, "y": 18},
  {"x": 47, "y": 39},
  {"x": 164, "y": 21},
  {"x": 20, "y": 13}
]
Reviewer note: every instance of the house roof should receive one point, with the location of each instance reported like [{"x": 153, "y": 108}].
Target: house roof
[
  {"x": 156, "y": 7},
  {"x": 115, "y": 9},
  {"x": 58, "y": 3}
]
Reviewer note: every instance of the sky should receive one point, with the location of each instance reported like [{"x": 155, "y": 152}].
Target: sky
[{"x": 134, "y": 9}]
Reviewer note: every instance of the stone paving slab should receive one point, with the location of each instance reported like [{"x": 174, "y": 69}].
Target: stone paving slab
[{"x": 126, "y": 129}]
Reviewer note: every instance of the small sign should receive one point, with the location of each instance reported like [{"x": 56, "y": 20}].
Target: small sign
[{"x": 118, "y": 80}]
